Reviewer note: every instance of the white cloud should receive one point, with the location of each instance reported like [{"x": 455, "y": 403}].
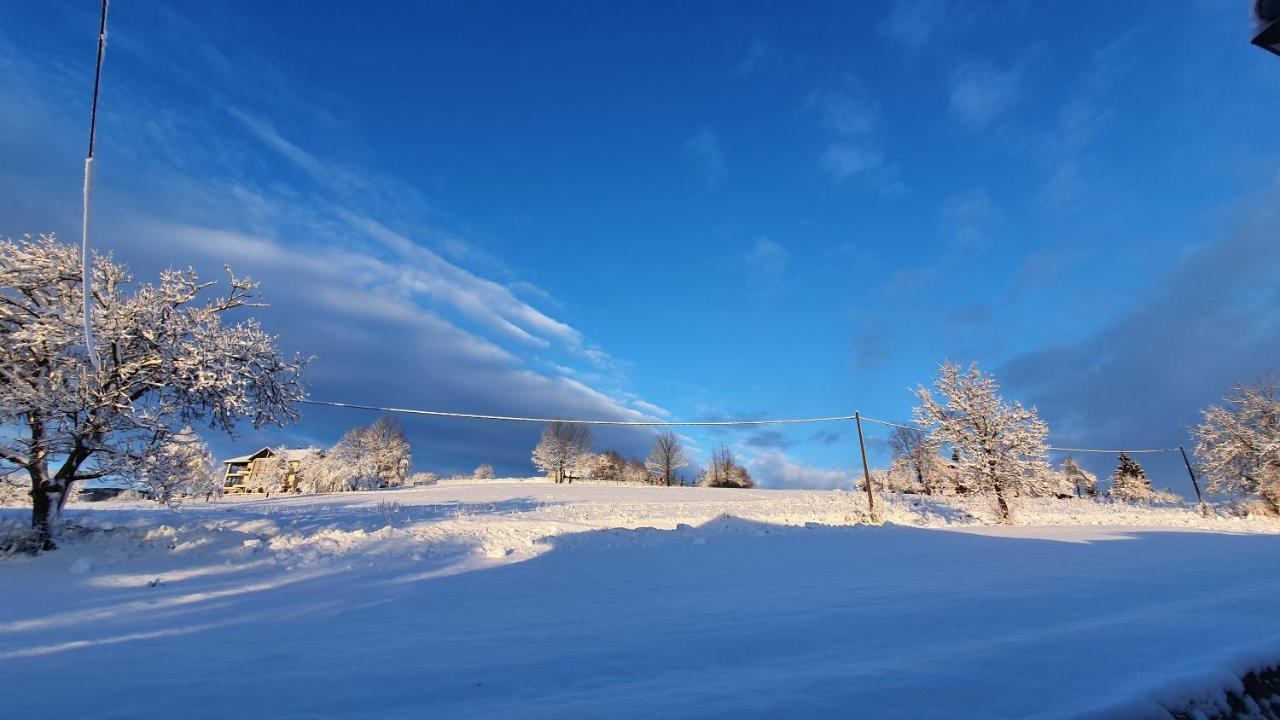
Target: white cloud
[
  {"x": 913, "y": 22},
  {"x": 758, "y": 51},
  {"x": 971, "y": 218},
  {"x": 980, "y": 92},
  {"x": 851, "y": 118},
  {"x": 847, "y": 111},
  {"x": 651, "y": 409},
  {"x": 390, "y": 320},
  {"x": 768, "y": 257},
  {"x": 845, "y": 160},
  {"x": 704, "y": 148},
  {"x": 774, "y": 468}
]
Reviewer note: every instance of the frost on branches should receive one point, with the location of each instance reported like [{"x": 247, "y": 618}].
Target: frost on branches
[
  {"x": 168, "y": 359},
  {"x": 1129, "y": 481},
  {"x": 666, "y": 457},
  {"x": 916, "y": 465},
  {"x": 1083, "y": 482},
  {"x": 998, "y": 448},
  {"x": 1238, "y": 443},
  {"x": 564, "y": 451},
  {"x": 364, "y": 458},
  {"x": 181, "y": 467},
  {"x": 724, "y": 471}
]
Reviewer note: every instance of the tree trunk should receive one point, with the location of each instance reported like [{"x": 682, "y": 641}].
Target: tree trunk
[
  {"x": 1006, "y": 516},
  {"x": 49, "y": 495},
  {"x": 46, "y": 498}
]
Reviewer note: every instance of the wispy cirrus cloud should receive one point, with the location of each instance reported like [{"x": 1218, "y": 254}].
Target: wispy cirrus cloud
[
  {"x": 980, "y": 92},
  {"x": 914, "y": 22},
  {"x": 703, "y": 147},
  {"x": 971, "y": 218},
  {"x": 851, "y": 119},
  {"x": 768, "y": 258},
  {"x": 353, "y": 265}
]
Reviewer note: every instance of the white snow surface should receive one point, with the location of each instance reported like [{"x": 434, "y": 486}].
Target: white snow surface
[{"x": 532, "y": 600}]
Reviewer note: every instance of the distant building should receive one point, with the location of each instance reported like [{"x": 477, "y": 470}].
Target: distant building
[{"x": 240, "y": 471}]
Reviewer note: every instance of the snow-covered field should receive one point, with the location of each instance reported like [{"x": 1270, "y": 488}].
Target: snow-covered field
[{"x": 506, "y": 599}]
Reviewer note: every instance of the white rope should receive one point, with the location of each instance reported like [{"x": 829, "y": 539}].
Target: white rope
[
  {"x": 640, "y": 423},
  {"x": 1050, "y": 447}
]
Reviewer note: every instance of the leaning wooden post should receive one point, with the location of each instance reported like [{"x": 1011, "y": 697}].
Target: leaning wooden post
[
  {"x": 1204, "y": 509},
  {"x": 866, "y": 472}
]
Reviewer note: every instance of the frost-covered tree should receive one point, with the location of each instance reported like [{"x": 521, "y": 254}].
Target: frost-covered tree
[
  {"x": 637, "y": 472},
  {"x": 915, "y": 453},
  {"x": 370, "y": 456},
  {"x": 666, "y": 457},
  {"x": 483, "y": 472},
  {"x": 169, "y": 357},
  {"x": 724, "y": 471},
  {"x": 1084, "y": 482},
  {"x": 1129, "y": 481},
  {"x": 562, "y": 449},
  {"x": 181, "y": 467},
  {"x": 379, "y": 453},
  {"x": 364, "y": 458},
  {"x": 319, "y": 471},
  {"x": 607, "y": 466},
  {"x": 998, "y": 447},
  {"x": 1238, "y": 443}
]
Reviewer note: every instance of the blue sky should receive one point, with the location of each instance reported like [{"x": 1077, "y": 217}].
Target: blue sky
[{"x": 697, "y": 212}]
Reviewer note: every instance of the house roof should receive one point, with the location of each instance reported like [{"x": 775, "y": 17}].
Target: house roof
[
  {"x": 289, "y": 454},
  {"x": 264, "y": 452}
]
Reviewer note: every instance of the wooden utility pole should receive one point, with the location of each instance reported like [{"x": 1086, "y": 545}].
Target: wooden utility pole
[
  {"x": 1204, "y": 509},
  {"x": 866, "y": 472}
]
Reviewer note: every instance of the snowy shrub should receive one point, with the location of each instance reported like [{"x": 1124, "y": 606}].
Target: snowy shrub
[
  {"x": 15, "y": 490},
  {"x": 608, "y": 466},
  {"x": 165, "y": 358},
  {"x": 998, "y": 448},
  {"x": 185, "y": 468},
  {"x": 484, "y": 472},
  {"x": 1083, "y": 482},
  {"x": 419, "y": 479},
  {"x": 390, "y": 512},
  {"x": 637, "y": 472},
  {"x": 1238, "y": 443}
]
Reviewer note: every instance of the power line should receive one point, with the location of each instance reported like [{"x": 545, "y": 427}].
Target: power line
[
  {"x": 1050, "y": 447},
  {"x": 677, "y": 423},
  {"x": 639, "y": 423}
]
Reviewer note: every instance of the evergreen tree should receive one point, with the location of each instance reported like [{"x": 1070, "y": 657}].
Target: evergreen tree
[{"x": 1129, "y": 481}]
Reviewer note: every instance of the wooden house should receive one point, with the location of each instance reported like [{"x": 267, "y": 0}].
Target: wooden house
[{"x": 242, "y": 471}]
